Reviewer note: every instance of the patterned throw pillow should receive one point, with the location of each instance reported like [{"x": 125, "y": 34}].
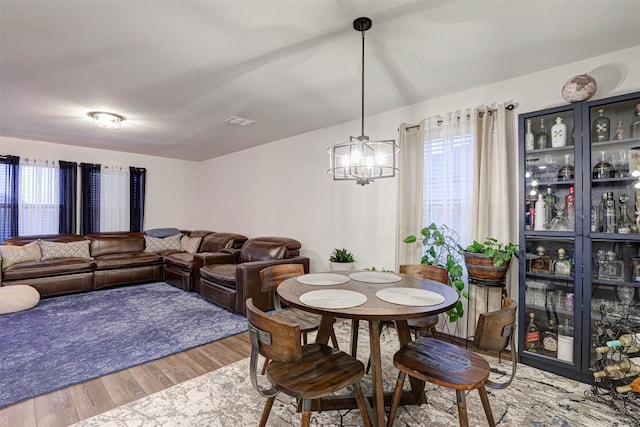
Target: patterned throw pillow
[
  {"x": 190, "y": 244},
  {"x": 16, "y": 254},
  {"x": 56, "y": 250},
  {"x": 156, "y": 244}
]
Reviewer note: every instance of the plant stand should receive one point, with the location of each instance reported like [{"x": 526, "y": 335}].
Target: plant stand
[{"x": 484, "y": 296}]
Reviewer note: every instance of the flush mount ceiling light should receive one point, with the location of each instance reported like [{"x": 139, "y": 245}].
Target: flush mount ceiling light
[
  {"x": 240, "y": 121},
  {"x": 361, "y": 159},
  {"x": 106, "y": 120}
]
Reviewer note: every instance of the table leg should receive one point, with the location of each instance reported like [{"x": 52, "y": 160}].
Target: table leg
[
  {"x": 325, "y": 329},
  {"x": 376, "y": 373},
  {"x": 355, "y": 329},
  {"x": 404, "y": 336}
]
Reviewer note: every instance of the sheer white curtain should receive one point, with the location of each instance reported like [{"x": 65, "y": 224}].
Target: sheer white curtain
[
  {"x": 39, "y": 198},
  {"x": 114, "y": 198},
  {"x": 410, "y": 190},
  {"x": 448, "y": 172},
  {"x": 494, "y": 202}
]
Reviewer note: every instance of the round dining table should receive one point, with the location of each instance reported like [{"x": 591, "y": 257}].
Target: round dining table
[{"x": 371, "y": 297}]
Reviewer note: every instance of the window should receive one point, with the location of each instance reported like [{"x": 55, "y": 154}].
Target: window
[
  {"x": 448, "y": 174},
  {"x": 38, "y": 197}
]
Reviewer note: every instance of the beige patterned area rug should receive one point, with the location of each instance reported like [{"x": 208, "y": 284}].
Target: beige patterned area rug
[{"x": 225, "y": 398}]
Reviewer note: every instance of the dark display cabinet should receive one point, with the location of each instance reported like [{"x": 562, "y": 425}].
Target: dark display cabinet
[{"x": 579, "y": 234}]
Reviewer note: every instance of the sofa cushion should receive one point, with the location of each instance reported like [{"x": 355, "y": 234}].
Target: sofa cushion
[
  {"x": 46, "y": 268},
  {"x": 55, "y": 250},
  {"x": 190, "y": 244},
  {"x": 223, "y": 274},
  {"x": 182, "y": 260},
  {"x": 17, "y": 254},
  {"x": 107, "y": 262},
  {"x": 256, "y": 250},
  {"x": 156, "y": 244}
]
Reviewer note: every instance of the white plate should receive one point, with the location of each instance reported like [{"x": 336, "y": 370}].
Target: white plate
[
  {"x": 375, "y": 277},
  {"x": 333, "y": 298},
  {"x": 323, "y": 279},
  {"x": 410, "y": 296}
]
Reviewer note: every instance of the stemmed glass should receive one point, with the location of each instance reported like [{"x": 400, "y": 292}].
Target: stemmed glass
[{"x": 621, "y": 162}]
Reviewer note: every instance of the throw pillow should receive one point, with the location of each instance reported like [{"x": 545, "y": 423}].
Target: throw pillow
[
  {"x": 155, "y": 244},
  {"x": 16, "y": 254},
  {"x": 162, "y": 232},
  {"x": 57, "y": 250},
  {"x": 190, "y": 244}
]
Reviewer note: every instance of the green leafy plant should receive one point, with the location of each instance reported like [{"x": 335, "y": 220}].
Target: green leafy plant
[
  {"x": 441, "y": 248},
  {"x": 341, "y": 255},
  {"x": 379, "y": 269},
  {"x": 492, "y": 248}
]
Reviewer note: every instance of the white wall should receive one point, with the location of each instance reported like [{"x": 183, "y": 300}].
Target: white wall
[
  {"x": 171, "y": 191},
  {"x": 282, "y": 188}
]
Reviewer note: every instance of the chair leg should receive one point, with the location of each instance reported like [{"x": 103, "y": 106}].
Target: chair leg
[
  {"x": 306, "y": 413},
  {"x": 362, "y": 404},
  {"x": 487, "y": 407},
  {"x": 462, "y": 408},
  {"x": 304, "y": 338},
  {"x": 434, "y": 333},
  {"x": 334, "y": 340},
  {"x": 395, "y": 402},
  {"x": 264, "y": 367},
  {"x": 266, "y": 411}
]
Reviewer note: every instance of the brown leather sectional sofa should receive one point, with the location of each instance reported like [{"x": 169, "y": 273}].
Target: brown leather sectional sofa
[{"x": 225, "y": 268}]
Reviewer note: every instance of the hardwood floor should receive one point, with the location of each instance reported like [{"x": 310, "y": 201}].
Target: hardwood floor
[{"x": 72, "y": 404}]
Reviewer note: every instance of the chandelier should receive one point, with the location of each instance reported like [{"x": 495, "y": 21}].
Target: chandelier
[{"x": 361, "y": 159}]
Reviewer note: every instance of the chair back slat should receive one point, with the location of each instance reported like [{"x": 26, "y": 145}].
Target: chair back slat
[
  {"x": 494, "y": 329},
  {"x": 284, "y": 337},
  {"x": 271, "y": 277},
  {"x": 426, "y": 271}
]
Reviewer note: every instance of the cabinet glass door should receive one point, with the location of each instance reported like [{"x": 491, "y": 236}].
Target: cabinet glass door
[{"x": 614, "y": 136}]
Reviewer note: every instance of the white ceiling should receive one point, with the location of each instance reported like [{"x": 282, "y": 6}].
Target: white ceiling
[{"x": 177, "y": 69}]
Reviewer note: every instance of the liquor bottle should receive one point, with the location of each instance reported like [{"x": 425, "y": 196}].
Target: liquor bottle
[
  {"x": 625, "y": 223},
  {"x": 532, "y": 338},
  {"x": 558, "y": 134},
  {"x": 549, "y": 205},
  {"x": 620, "y": 129},
  {"x": 602, "y": 212},
  {"x": 541, "y": 264},
  {"x": 540, "y": 214},
  {"x": 565, "y": 341},
  {"x": 566, "y": 172},
  {"x": 633, "y": 386},
  {"x": 542, "y": 138},
  {"x": 635, "y": 123},
  {"x": 529, "y": 139},
  {"x": 562, "y": 265},
  {"x": 570, "y": 208},
  {"x": 611, "y": 268},
  {"x": 601, "y": 128},
  {"x": 595, "y": 217},
  {"x": 550, "y": 340},
  {"x": 610, "y": 214}
]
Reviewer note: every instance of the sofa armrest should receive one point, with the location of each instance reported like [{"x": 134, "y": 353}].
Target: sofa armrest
[{"x": 248, "y": 282}]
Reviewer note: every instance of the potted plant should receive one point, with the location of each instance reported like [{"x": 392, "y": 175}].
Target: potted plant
[
  {"x": 341, "y": 259},
  {"x": 441, "y": 248},
  {"x": 489, "y": 261}
]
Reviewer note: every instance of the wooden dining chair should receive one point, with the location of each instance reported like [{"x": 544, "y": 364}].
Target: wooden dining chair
[
  {"x": 448, "y": 365},
  {"x": 425, "y": 324},
  {"x": 270, "y": 278},
  {"x": 305, "y": 372}
]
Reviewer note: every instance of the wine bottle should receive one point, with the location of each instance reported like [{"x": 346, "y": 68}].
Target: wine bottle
[
  {"x": 633, "y": 386},
  {"x": 623, "y": 369},
  {"x": 542, "y": 137},
  {"x": 625, "y": 340},
  {"x": 565, "y": 341},
  {"x": 529, "y": 138},
  {"x": 628, "y": 350}
]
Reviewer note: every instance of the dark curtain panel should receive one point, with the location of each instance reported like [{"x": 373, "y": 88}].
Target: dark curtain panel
[
  {"x": 8, "y": 196},
  {"x": 137, "y": 180},
  {"x": 68, "y": 196},
  {"x": 90, "y": 198}
]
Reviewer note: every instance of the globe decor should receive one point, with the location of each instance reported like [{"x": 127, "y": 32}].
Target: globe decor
[{"x": 579, "y": 88}]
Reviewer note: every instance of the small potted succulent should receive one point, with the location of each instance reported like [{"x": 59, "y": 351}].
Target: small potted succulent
[
  {"x": 341, "y": 260},
  {"x": 489, "y": 261}
]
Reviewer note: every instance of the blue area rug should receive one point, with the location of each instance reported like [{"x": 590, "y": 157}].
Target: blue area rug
[{"x": 72, "y": 339}]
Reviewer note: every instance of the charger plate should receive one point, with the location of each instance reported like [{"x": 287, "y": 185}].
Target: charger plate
[
  {"x": 375, "y": 277},
  {"x": 410, "y": 296},
  {"x": 323, "y": 279},
  {"x": 333, "y": 298}
]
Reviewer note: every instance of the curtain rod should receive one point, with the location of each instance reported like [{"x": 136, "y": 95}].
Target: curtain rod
[{"x": 508, "y": 107}]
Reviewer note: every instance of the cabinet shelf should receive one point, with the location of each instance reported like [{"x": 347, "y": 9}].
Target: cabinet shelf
[
  {"x": 615, "y": 237},
  {"x": 549, "y": 276}
]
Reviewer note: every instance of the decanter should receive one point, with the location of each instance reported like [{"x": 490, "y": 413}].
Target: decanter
[
  {"x": 601, "y": 128},
  {"x": 635, "y": 124},
  {"x": 603, "y": 169},
  {"x": 566, "y": 172},
  {"x": 625, "y": 224},
  {"x": 620, "y": 129}
]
